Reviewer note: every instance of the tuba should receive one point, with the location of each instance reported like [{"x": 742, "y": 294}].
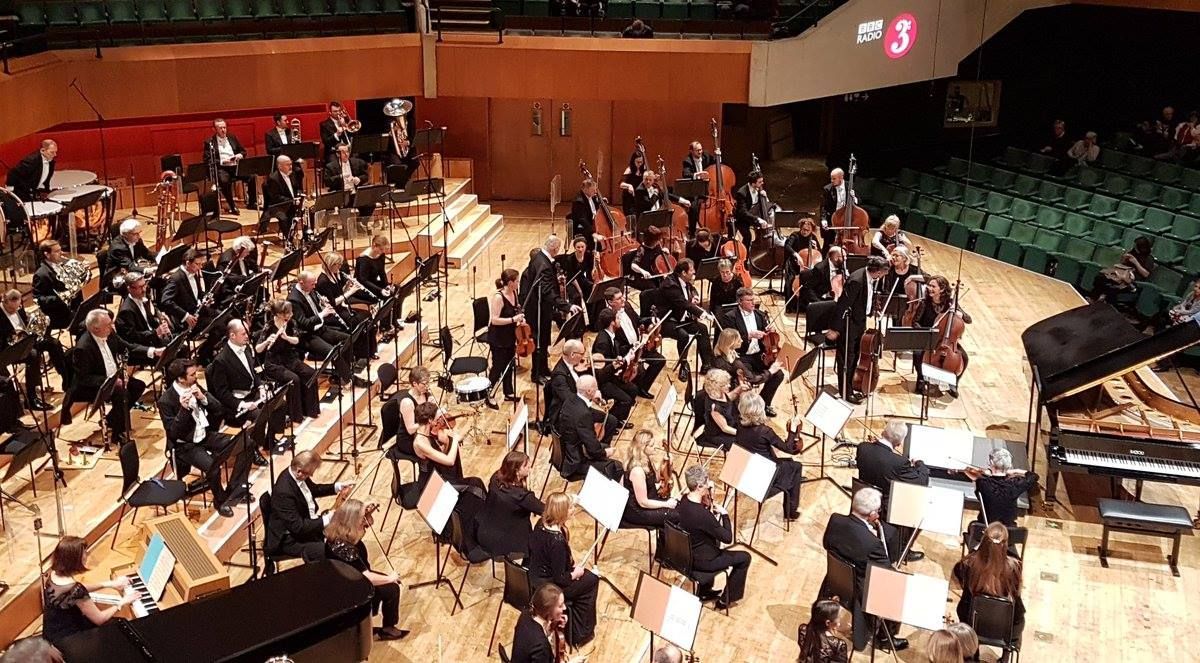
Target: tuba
[{"x": 398, "y": 109}]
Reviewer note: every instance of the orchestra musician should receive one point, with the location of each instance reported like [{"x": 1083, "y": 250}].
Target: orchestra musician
[
  {"x": 630, "y": 179},
  {"x": 504, "y": 316},
  {"x": 827, "y": 278},
  {"x": 184, "y": 291},
  {"x": 860, "y": 297},
  {"x": 541, "y": 299},
  {"x": 646, "y": 265},
  {"x": 333, "y": 131},
  {"x": 192, "y": 423},
  {"x": 337, "y": 286},
  {"x": 127, "y": 251},
  {"x": 804, "y": 238},
  {"x": 745, "y": 352},
  {"x": 95, "y": 359},
  {"x": 447, "y": 462},
  {"x": 138, "y": 321},
  {"x": 541, "y": 627},
  {"x": 48, "y": 288},
  {"x": 31, "y": 176},
  {"x": 282, "y": 193},
  {"x": 347, "y": 173},
  {"x": 564, "y": 379},
  {"x": 417, "y": 394},
  {"x": 880, "y": 462},
  {"x": 321, "y": 328},
  {"x": 297, "y": 524},
  {"x": 862, "y": 539},
  {"x": 15, "y": 320},
  {"x": 278, "y": 136},
  {"x": 370, "y": 268},
  {"x": 938, "y": 301},
  {"x": 240, "y": 261},
  {"x": 67, "y": 605},
  {"x": 833, "y": 198},
  {"x": 234, "y": 379},
  {"x": 278, "y": 344},
  {"x": 649, "y": 195},
  {"x": 755, "y": 436},
  {"x": 608, "y": 356},
  {"x": 720, "y": 413},
  {"x": 582, "y": 219},
  {"x": 685, "y": 317},
  {"x": 503, "y": 526},
  {"x": 400, "y": 153},
  {"x": 576, "y": 427},
  {"x": 694, "y": 165},
  {"x": 888, "y": 237},
  {"x": 628, "y": 333},
  {"x": 752, "y": 212},
  {"x": 551, "y": 561},
  {"x": 578, "y": 266},
  {"x": 228, "y": 151},
  {"x": 901, "y": 273},
  {"x": 704, "y": 247},
  {"x": 343, "y": 542},
  {"x": 708, "y": 525},
  {"x": 999, "y": 486},
  {"x": 642, "y": 462},
  {"x": 722, "y": 294}
]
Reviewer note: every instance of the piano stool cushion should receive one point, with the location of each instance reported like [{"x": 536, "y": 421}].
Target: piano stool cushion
[{"x": 1144, "y": 516}]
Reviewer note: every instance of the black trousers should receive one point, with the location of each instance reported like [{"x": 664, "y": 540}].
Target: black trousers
[
  {"x": 774, "y": 380},
  {"x": 388, "y": 597},
  {"x": 653, "y": 363},
  {"x": 201, "y": 457},
  {"x": 737, "y": 562},
  {"x": 502, "y": 365},
  {"x": 118, "y": 406},
  {"x": 623, "y": 395},
  {"x": 283, "y": 219},
  {"x": 747, "y": 231},
  {"x": 682, "y": 333},
  {"x": 33, "y": 364},
  {"x": 302, "y": 398},
  {"x": 541, "y": 352},
  {"x": 581, "y": 608},
  {"x": 846, "y": 357},
  {"x": 226, "y": 175},
  {"x": 320, "y": 343}
]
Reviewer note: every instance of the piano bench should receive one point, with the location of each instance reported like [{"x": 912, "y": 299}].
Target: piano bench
[{"x": 1164, "y": 520}]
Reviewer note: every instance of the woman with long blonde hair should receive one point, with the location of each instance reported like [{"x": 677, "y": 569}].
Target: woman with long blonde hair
[
  {"x": 642, "y": 462},
  {"x": 343, "y": 542},
  {"x": 551, "y": 560}
]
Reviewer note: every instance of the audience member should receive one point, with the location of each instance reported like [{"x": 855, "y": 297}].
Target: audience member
[
  {"x": 1059, "y": 142},
  {"x": 638, "y": 30},
  {"x": 1119, "y": 282},
  {"x": 1085, "y": 150}
]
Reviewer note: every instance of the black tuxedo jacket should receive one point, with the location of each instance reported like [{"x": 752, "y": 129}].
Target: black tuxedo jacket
[
  {"x": 46, "y": 285},
  {"x": 132, "y": 325},
  {"x": 707, "y": 531},
  {"x": 734, "y": 319},
  {"x": 6, "y": 327},
  {"x": 372, "y": 273},
  {"x": 853, "y": 541},
  {"x": 540, "y": 266},
  {"x": 179, "y": 422},
  {"x": 817, "y": 281},
  {"x": 561, "y": 388},
  {"x": 878, "y": 465},
  {"x": 576, "y": 428},
  {"x": 583, "y": 222},
  {"x": 829, "y": 200},
  {"x": 23, "y": 178},
  {"x": 122, "y": 255},
  {"x": 275, "y": 190},
  {"x": 89, "y": 363},
  {"x": 238, "y": 275},
  {"x": 333, "y": 173},
  {"x": 302, "y": 311},
  {"x": 291, "y": 519},
  {"x": 689, "y": 166},
  {"x": 226, "y": 374},
  {"x": 210, "y": 147},
  {"x": 676, "y": 300},
  {"x": 275, "y": 143},
  {"x": 176, "y": 298},
  {"x": 854, "y": 299},
  {"x": 329, "y": 138},
  {"x": 744, "y": 211}
]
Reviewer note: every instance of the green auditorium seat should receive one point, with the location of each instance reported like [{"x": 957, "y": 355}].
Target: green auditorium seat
[
  {"x": 956, "y": 168},
  {"x": 266, "y": 9},
  {"x": 936, "y": 228},
  {"x": 1157, "y": 220},
  {"x": 974, "y": 196},
  {"x": 915, "y": 222},
  {"x": 293, "y": 9},
  {"x": 1106, "y": 234},
  {"x": 952, "y": 190},
  {"x": 1144, "y": 192},
  {"x": 1037, "y": 256},
  {"x": 988, "y": 239},
  {"x": 1168, "y": 251},
  {"x": 180, "y": 11},
  {"x": 959, "y": 235},
  {"x": 1025, "y": 186},
  {"x": 927, "y": 205},
  {"x": 1075, "y": 199},
  {"x": 371, "y": 7},
  {"x": 1089, "y": 178},
  {"x": 1193, "y": 207},
  {"x": 998, "y": 203},
  {"x": 122, "y": 12},
  {"x": 1104, "y": 256},
  {"x": 675, "y": 10},
  {"x": 1015, "y": 158},
  {"x": 903, "y": 199},
  {"x": 61, "y": 13},
  {"x": 1111, "y": 159},
  {"x": 210, "y": 10},
  {"x": 1174, "y": 198},
  {"x": 647, "y": 9},
  {"x": 1149, "y": 301},
  {"x": 1191, "y": 259},
  {"x": 317, "y": 8},
  {"x": 1022, "y": 210},
  {"x": 1040, "y": 164},
  {"x": 346, "y": 7},
  {"x": 972, "y": 219},
  {"x": 152, "y": 11},
  {"x": 947, "y": 212},
  {"x": 1070, "y": 259},
  {"x": 31, "y": 14},
  {"x": 1049, "y": 192},
  {"x": 1190, "y": 179},
  {"x": 704, "y": 10},
  {"x": 1115, "y": 185},
  {"x": 1166, "y": 173},
  {"x": 1002, "y": 180},
  {"x": 1167, "y": 283},
  {"x": 1129, "y": 214},
  {"x": 1102, "y": 207},
  {"x": 239, "y": 10},
  {"x": 1077, "y": 225},
  {"x": 92, "y": 13},
  {"x": 930, "y": 185},
  {"x": 909, "y": 178},
  {"x": 979, "y": 172},
  {"x": 1184, "y": 228},
  {"x": 1012, "y": 247},
  {"x": 1048, "y": 217},
  {"x": 1139, "y": 166}
]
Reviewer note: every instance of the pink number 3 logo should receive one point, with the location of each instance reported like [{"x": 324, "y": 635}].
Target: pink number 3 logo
[{"x": 901, "y": 35}]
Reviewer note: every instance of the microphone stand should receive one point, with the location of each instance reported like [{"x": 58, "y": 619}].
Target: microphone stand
[
  {"x": 100, "y": 125},
  {"x": 537, "y": 344}
]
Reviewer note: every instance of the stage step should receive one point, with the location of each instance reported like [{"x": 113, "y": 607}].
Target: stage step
[
  {"x": 427, "y": 238},
  {"x": 483, "y": 232},
  {"x": 453, "y": 188}
]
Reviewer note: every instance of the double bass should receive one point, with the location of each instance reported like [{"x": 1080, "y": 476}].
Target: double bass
[
  {"x": 853, "y": 219},
  {"x": 677, "y": 233},
  {"x": 718, "y": 206},
  {"x": 612, "y": 224},
  {"x": 766, "y": 251}
]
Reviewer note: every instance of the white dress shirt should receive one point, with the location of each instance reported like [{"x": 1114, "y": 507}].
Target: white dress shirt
[
  {"x": 44, "y": 181},
  {"x": 626, "y": 324},
  {"x": 110, "y": 364},
  {"x": 751, "y": 322},
  {"x": 239, "y": 351},
  {"x": 225, "y": 151},
  {"x": 287, "y": 182},
  {"x": 347, "y": 174},
  {"x": 308, "y": 497},
  {"x": 283, "y": 135},
  {"x": 698, "y": 165},
  {"x": 198, "y": 414},
  {"x": 14, "y": 319}
]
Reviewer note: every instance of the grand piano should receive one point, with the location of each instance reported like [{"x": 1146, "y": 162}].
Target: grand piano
[
  {"x": 1108, "y": 414},
  {"x": 314, "y": 612}
]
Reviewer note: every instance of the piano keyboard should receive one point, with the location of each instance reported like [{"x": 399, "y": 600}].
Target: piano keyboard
[
  {"x": 145, "y": 603},
  {"x": 1133, "y": 463}
]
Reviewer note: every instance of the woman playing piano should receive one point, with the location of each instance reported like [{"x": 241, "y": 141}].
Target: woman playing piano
[
  {"x": 343, "y": 542},
  {"x": 68, "y": 607}
]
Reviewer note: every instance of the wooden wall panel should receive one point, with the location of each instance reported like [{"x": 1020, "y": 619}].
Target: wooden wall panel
[
  {"x": 591, "y": 136},
  {"x": 519, "y": 161},
  {"x": 466, "y": 122},
  {"x": 665, "y": 127}
]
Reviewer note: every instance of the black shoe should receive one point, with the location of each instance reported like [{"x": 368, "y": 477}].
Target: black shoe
[
  {"x": 390, "y": 633},
  {"x": 856, "y": 398},
  {"x": 360, "y": 364},
  {"x": 225, "y": 511},
  {"x": 142, "y": 407},
  {"x": 36, "y": 403},
  {"x": 770, "y": 411},
  {"x": 722, "y": 604},
  {"x": 645, "y": 394},
  {"x": 361, "y": 383},
  {"x": 627, "y": 426},
  {"x": 259, "y": 460},
  {"x": 711, "y": 595},
  {"x": 914, "y": 556},
  {"x": 953, "y": 392},
  {"x": 886, "y": 645},
  {"x": 233, "y": 211},
  {"x": 512, "y": 398},
  {"x": 283, "y": 445},
  {"x": 492, "y": 404}
]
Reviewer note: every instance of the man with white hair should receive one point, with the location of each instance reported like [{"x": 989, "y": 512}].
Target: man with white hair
[
  {"x": 1085, "y": 150},
  {"x": 709, "y": 527},
  {"x": 240, "y": 261},
  {"x": 577, "y": 431},
  {"x": 881, "y": 461},
  {"x": 281, "y": 191},
  {"x": 564, "y": 377},
  {"x": 541, "y": 299},
  {"x": 227, "y": 150},
  {"x": 320, "y": 325},
  {"x": 999, "y": 486},
  {"x": 97, "y": 352},
  {"x": 668, "y": 653},
  {"x": 127, "y": 248},
  {"x": 833, "y": 198},
  {"x": 863, "y": 539},
  {"x": 15, "y": 319}
]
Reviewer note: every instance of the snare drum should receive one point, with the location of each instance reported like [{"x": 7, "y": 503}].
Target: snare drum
[{"x": 473, "y": 389}]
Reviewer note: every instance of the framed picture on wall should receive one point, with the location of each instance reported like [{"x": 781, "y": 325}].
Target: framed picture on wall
[{"x": 972, "y": 104}]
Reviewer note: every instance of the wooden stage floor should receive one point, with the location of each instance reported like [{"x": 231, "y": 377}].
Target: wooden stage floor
[{"x": 1075, "y": 608}]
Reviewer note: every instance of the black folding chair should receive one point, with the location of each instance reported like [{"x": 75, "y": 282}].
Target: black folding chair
[
  {"x": 993, "y": 619},
  {"x": 518, "y": 590},
  {"x": 676, "y": 554},
  {"x": 158, "y": 493}
]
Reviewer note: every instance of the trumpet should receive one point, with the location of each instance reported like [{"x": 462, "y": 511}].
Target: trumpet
[{"x": 295, "y": 129}]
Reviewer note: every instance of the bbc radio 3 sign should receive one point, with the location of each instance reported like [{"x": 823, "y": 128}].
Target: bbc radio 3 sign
[{"x": 897, "y": 35}]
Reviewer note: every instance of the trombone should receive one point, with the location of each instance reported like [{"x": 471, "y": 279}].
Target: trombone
[{"x": 348, "y": 123}]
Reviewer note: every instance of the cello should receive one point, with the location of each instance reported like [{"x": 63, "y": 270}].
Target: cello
[
  {"x": 852, "y": 219},
  {"x": 610, "y": 223},
  {"x": 714, "y": 214},
  {"x": 679, "y": 217},
  {"x": 948, "y": 354}
]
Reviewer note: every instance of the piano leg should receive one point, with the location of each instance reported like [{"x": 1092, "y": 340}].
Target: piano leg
[{"x": 1051, "y": 494}]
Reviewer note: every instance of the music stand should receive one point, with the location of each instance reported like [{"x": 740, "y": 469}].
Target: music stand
[
  {"x": 692, "y": 190},
  {"x": 855, "y": 262},
  {"x": 790, "y": 218},
  {"x": 253, "y": 283},
  {"x": 169, "y": 353},
  {"x": 397, "y": 176},
  {"x": 264, "y": 426},
  {"x": 214, "y": 326},
  {"x": 938, "y": 376},
  {"x": 658, "y": 218},
  {"x": 672, "y": 613},
  {"x": 828, "y": 414},
  {"x": 327, "y": 202},
  {"x": 171, "y": 260},
  {"x": 91, "y": 303},
  {"x": 424, "y": 140},
  {"x": 24, "y": 449},
  {"x": 105, "y": 395},
  {"x": 317, "y": 243},
  {"x": 238, "y": 489},
  {"x": 907, "y": 598},
  {"x": 748, "y": 473},
  {"x": 571, "y": 328},
  {"x": 289, "y": 262},
  {"x": 256, "y": 167},
  {"x": 435, "y": 505},
  {"x": 604, "y": 500},
  {"x": 369, "y": 144}
]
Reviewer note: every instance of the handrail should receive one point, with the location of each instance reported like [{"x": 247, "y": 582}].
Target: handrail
[{"x": 799, "y": 22}]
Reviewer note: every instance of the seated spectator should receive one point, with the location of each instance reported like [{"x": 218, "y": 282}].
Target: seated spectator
[
  {"x": 1059, "y": 143},
  {"x": 1118, "y": 283},
  {"x": 1187, "y": 308},
  {"x": 1147, "y": 141},
  {"x": 1165, "y": 124},
  {"x": 638, "y": 30},
  {"x": 1085, "y": 150},
  {"x": 1187, "y": 139}
]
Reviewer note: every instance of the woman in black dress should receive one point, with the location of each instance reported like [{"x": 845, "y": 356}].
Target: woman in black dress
[
  {"x": 823, "y": 638},
  {"x": 447, "y": 462},
  {"x": 343, "y": 542},
  {"x": 278, "y": 344},
  {"x": 938, "y": 301},
  {"x": 645, "y": 506},
  {"x": 408, "y": 400},
  {"x": 538, "y": 635},
  {"x": 550, "y": 560},
  {"x": 630, "y": 179},
  {"x": 724, "y": 289},
  {"x": 741, "y": 373},
  {"x": 721, "y": 416},
  {"x": 805, "y": 238},
  {"x": 990, "y": 570},
  {"x": 889, "y": 237},
  {"x": 503, "y": 524},
  {"x": 370, "y": 268},
  {"x": 502, "y": 334},
  {"x": 67, "y": 604},
  {"x": 755, "y": 436}
]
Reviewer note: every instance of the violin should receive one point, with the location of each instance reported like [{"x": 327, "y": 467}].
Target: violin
[
  {"x": 665, "y": 473},
  {"x": 560, "y": 644},
  {"x": 525, "y": 342},
  {"x": 653, "y": 332},
  {"x": 442, "y": 422},
  {"x": 368, "y": 511},
  {"x": 771, "y": 344}
]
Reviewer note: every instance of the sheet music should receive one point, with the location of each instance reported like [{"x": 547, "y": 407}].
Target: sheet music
[
  {"x": 667, "y": 406},
  {"x": 519, "y": 422},
  {"x": 681, "y": 619},
  {"x": 749, "y": 473},
  {"x": 929, "y": 508},
  {"x": 157, "y": 566},
  {"x": 940, "y": 447},
  {"x": 911, "y": 599},
  {"x": 437, "y": 502},
  {"x": 604, "y": 499},
  {"x": 829, "y": 414},
  {"x": 939, "y": 376}
]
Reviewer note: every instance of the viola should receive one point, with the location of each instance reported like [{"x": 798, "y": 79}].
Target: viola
[
  {"x": 442, "y": 422},
  {"x": 735, "y": 251},
  {"x": 368, "y": 511},
  {"x": 771, "y": 344},
  {"x": 525, "y": 343}
]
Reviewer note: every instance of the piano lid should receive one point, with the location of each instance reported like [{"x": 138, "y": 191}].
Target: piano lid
[{"x": 1081, "y": 348}]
